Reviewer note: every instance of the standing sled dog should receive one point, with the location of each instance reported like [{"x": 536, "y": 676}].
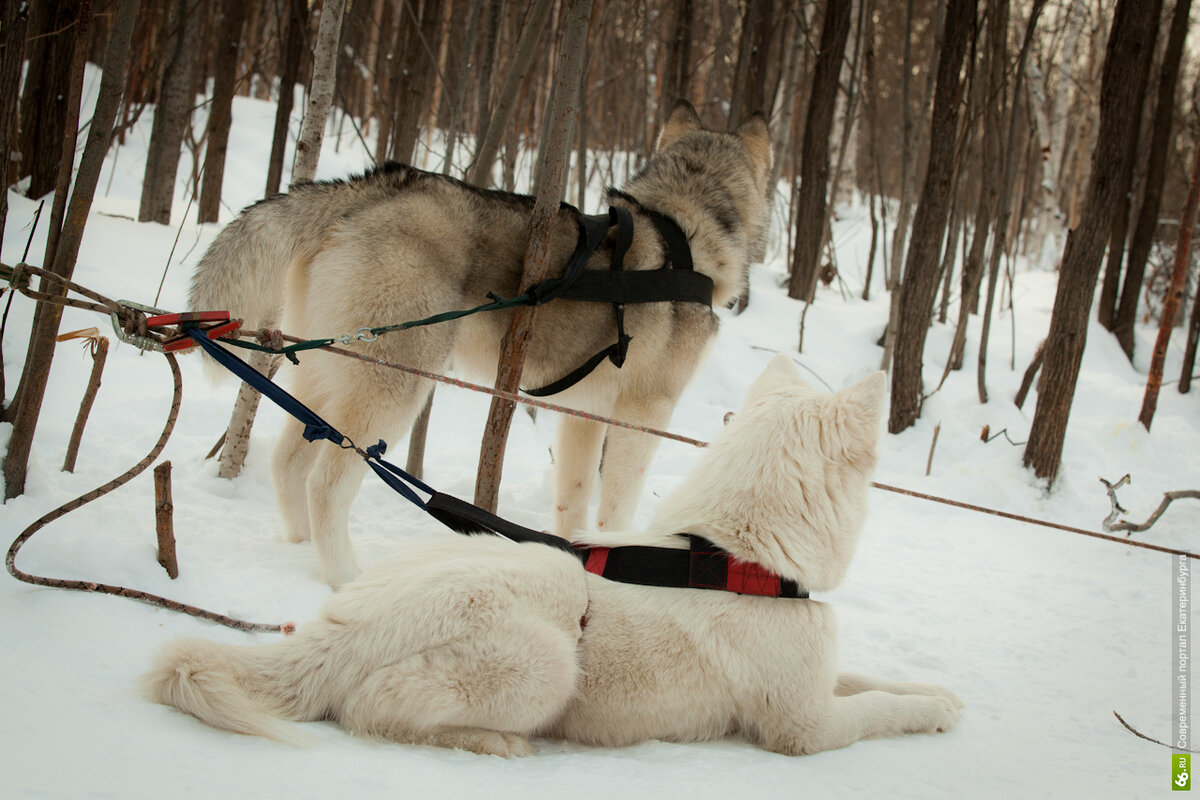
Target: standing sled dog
[
  {"x": 400, "y": 244},
  {"x": 477, "y": 642}
]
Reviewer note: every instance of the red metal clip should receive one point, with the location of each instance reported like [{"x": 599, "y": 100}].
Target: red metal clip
[{"x": 194, "y": 319}]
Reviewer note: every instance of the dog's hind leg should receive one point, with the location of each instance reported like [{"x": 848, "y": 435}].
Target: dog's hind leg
[
  {"x": 627, "y": 455},
  {"x": 484, "y": 694},
  {"x": 577, "y": 453}
]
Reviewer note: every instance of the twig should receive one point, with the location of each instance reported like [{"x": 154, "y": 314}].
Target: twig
[
  {"x": 1141, "y": 735},
  {"x": 929, "y": 461},
  {"x": 1027, "y": 379},
  {"x": 986, "y": 436},
  {"x": 1130, "y": 527}
]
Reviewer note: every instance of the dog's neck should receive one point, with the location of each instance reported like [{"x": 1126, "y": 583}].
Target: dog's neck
[{"x": 706, "y": 254}]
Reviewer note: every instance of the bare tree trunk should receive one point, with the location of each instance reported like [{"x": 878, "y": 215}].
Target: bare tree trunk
[
  {"x": 1000, "y": 239},
  {"x": 44, "y": 104},
  {"x": 176, "y": 96},
  {"x": 811, "y": 211},
  {"x": 1189, "y": 352},
  {"x": 12, "y": 39},
  {"x": 1130, "y": 41},
  {"x": 1183, "y": 253},
  {"x": 320, "y": 92},
  {"x": 929, "y": 224},
  {"x": 988, "y": 93},
  {"x": 1107, "y": 310},
  {"x": 512, "y": 352},
  {"x": 41, "y": 350},
  {"x": 308, "y": 154},
  {"x": 1160, "y": 147},
  {"x": 233, "y": 16},
  {"x": 499, "y": 119},
  {"x": 292, "y": 46}
]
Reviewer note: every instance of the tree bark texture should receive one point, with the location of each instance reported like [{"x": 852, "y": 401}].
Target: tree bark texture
[
  {"x": 929, "y": 223},
  {"x": 320, "y": 92},
  {"x": 1183, "y": 258},
  {"x": 1107, "y": 310},
  {"x": 811, "y": 211},
  {"x": 15, "y": 21},
  {"x": 1160, "y": 147},
  {"x": 512, "y": 351},
  {"x": 44, "y": 104},
  {"x": 41, "y": 341},
  {"x": 293, "y": 47},
  {"x": 233, "y": 16},
  {"x": 1130, "y": 41},
  {"x": 176, "y": 97},
  {"x": 500, "y": 117}
]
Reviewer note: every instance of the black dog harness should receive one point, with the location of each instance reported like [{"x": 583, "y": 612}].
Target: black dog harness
[
  {"x": 703, "y": 565},
  {"x": 676, "y": 281}
]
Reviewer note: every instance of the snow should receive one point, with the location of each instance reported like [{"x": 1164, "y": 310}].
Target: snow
[{"x": 1043, "y": 633}]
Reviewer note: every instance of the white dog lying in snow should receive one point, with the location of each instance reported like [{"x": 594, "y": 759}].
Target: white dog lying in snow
[{"x": 477, "y": 642}]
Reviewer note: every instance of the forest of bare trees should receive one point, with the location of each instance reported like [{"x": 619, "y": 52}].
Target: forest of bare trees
[{"x": 975, "y": 131}]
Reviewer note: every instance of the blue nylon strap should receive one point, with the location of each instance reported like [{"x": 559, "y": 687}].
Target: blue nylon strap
[{"x": 314, "y": 426}]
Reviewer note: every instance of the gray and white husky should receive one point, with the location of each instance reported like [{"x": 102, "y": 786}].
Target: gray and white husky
[
  {"x": 400, "y": 244},
  {"x": 478, "y": 643}
]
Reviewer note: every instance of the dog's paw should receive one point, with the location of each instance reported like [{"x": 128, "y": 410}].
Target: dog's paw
[
  {"x": 944, "y": 713},
  {"x": 484, "y": 742}
]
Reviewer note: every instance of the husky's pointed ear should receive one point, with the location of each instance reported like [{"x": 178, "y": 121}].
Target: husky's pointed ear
[
  {"x": 780, "y": 371},
  {"x": 757, "y": 138},
  {"x": 683, "y": 119},
  {"x": 865, "y": 398}
]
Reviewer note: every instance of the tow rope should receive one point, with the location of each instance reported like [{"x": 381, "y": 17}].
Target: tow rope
[{"x": 703, "y": 565}]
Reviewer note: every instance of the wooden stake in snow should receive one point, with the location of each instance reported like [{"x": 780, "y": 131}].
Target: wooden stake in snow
[
  {"x": 1174, "y": 297},
  {"x": 99, "y": 345},
  {"x": 164, "y": 524}
]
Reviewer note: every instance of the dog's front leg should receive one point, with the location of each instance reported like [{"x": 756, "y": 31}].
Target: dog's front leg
[
  {"x": 577, "y": 463},
  {"x": 627, "y": 455},
  {"x": 873, "y": 713}
]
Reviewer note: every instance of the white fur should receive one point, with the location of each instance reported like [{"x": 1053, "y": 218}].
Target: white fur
[{"x": 479, "y": 643}]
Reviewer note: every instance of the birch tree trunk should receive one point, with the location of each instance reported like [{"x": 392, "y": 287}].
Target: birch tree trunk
[
  {"x": 320, "y": 92},
  {"x": 308, "y": 154}
]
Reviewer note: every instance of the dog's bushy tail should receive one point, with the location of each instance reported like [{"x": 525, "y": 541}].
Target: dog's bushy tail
[{"x": 216, "y": 684}]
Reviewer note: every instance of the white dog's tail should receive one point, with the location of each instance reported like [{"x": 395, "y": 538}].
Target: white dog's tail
[{"x": 223, "y": 685}]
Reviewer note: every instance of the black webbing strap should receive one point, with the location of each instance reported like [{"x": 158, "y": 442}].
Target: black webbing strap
[
  {"x": 461, "y": 516},
  {"x": 702, "y": 565},
  {"x": 677, "y": 281}
]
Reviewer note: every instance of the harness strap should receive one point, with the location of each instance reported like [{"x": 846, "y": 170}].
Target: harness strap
[
  {"x": 677, "y": 281},
  {"x": 703, "y": 565}
]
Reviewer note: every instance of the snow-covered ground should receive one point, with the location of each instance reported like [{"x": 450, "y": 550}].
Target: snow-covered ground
[{"x": 1042, "y": 633}]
